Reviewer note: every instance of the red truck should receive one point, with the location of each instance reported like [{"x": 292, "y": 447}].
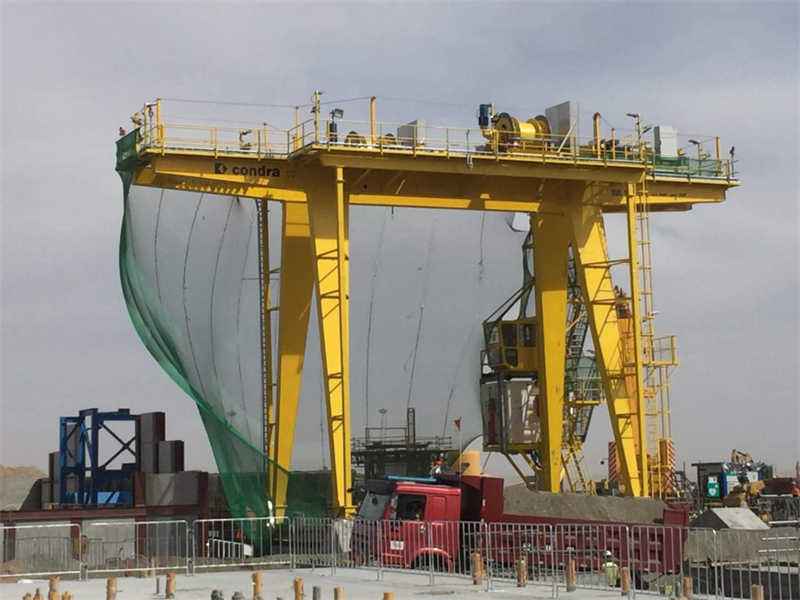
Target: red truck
[{"x": 416, "y": 522}]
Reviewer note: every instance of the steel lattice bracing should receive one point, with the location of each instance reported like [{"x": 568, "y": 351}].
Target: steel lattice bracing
[{"x": 565, "y": 188}]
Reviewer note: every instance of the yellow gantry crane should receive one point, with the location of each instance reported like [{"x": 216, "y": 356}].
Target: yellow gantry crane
[{"x": 539, "y": 167}]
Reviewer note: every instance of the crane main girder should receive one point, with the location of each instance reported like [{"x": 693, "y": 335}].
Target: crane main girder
[
  {"x": 566, "y": 198},
  {"x": 387, "y": 183}
]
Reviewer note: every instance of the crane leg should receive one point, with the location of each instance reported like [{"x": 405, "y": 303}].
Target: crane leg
[
  {"x": 594, "y": 272},
  {"x": 551, "y": 236},
  {"x": 296, "y": 285},
  {"x": 637, "y": 376},
  {"x": 328, "y": 211}
]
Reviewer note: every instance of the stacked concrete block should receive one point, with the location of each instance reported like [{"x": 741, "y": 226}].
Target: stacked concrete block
[
  {"x": 150, "y": 430},
  {"x": 170, "y": 456}
]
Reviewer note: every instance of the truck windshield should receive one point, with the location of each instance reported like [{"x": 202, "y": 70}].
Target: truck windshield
[{"x": 372, "y": 506}]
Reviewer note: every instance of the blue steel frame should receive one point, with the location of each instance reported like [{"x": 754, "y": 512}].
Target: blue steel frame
[{"x": 87, "y": 426}]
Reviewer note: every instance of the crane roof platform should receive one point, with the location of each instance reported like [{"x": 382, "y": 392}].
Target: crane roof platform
[{"x": 261, "y": 160}]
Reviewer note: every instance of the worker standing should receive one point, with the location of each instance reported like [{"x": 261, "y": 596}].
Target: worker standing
[
  {"x": 611, "y": 569},
  {"x": 438, "y": 465}
]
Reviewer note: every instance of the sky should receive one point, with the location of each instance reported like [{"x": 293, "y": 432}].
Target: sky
[{"x": 726, "y": 277}]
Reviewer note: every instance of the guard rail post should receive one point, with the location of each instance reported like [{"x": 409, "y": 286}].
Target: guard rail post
[
  {"x": 431, "y": 577},
  {"x": 333, "y": 546}
]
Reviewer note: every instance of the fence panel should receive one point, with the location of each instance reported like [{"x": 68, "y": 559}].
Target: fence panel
[
  {"x": 768, "y": 558},
  {"x": 40, "y": 550},
  {"x": 312, "y": 542},
  {"x": 597, "y": 552},
  {"x": 136, "y": 546},
  {"x": 505, "y": 544},
  {"x": 700, "y": 561},
  {"x": 426, "y": 547},
  {"x": 784, "y": 510},
  {"x": 245, "y": 542},
  {"x": 356, "y": 544},
  {"x": 657, "y": 560}
]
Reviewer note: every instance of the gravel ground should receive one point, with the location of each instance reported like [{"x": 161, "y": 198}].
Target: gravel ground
[{"x": 519, "y": 500}]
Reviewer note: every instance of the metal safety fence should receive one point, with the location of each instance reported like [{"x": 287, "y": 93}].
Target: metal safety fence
[
  {"x": 646, "y": 560},
  {"x": 134, "y": 546},
  {"x": 40, "y": 550},
  {"x": 236, "y": 543}
]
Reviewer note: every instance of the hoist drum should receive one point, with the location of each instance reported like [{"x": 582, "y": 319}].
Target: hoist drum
[{"x": 511, "y": 130}]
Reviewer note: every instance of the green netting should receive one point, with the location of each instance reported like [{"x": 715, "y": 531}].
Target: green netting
[{"x": 189, "y": 268}]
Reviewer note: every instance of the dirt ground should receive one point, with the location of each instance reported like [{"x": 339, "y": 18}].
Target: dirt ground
[{"x": 15, "y": 483}]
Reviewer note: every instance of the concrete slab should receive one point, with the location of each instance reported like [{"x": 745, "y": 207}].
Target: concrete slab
[
  {"x": 357, "y": 584},
  {"x": 730, "y": 518}
]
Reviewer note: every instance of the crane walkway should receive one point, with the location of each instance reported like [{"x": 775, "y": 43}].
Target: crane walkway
[{"x": 159, "y": 136}]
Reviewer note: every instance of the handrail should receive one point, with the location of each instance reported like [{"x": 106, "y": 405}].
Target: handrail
[{"x": 417, "y": 139}]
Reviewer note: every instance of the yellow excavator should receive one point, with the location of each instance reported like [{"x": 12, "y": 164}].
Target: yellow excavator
[{"x": 744, "y": 494}]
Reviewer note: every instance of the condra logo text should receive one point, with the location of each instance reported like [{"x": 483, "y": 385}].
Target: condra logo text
[{"x": 251, "y": 171}]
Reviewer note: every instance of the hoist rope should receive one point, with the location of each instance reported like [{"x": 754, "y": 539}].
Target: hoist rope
[
  {"x": 424, "y": 297},
  {"x": 238, "y": 322},
  {"x": 373, "y": 287},
  {"x": 155, "y": 247},
  {"x": 480, "y": 260},
  {"x": 233, "y": 103},
  {"x": 185, "y": 305},
  {"x": 454, "y": 382},
  {"x": 264, "y": 104},
  {"x": 475, "y": 327},
  {"x": 214, "y": 289},
  {"x": 344, "y": 100},
  {"x": 322, "y": 410}
]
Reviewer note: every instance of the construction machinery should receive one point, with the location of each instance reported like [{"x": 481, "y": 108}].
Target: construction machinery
[
  {"x": 565, "y": 183},
  {"x": 388, "y": 450},
  {"x": 509, "y": 391}
]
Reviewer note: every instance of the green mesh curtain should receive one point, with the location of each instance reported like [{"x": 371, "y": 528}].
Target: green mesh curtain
[{"x": 189, "y": 267}]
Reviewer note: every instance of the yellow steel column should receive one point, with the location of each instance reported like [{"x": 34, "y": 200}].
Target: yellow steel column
[
  {"x": 296, "y": 285},
  {"x": 328, "y": 211},
  {"x": 594, "y": 273},
  {"x": 267, "y": 393},
  {"x": 636, "y": 325},
  {"x": 551, "y": 236}
]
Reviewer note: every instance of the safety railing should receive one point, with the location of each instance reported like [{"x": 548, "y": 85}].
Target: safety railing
[
  {"x": 767, "y": 558},
  {"x": 520, "y": 552},
  {"x": 40, "y": 550},
  {"x": 658, "y": 562},
  {"x": 784, "y": 509},
  {"x": 135, "y": 546},
  {"x": 161, "y": 134},
  {"x": 418, "y": 138},
  {"x": 590, "y": 556},
  {"x": 246, "y": 542},
  {"x": 634, "y": 559},
  {"x": 663, "y": 352}
]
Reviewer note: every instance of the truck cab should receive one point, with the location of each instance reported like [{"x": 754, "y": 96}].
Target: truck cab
[{"x": 409, "y": 523}]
